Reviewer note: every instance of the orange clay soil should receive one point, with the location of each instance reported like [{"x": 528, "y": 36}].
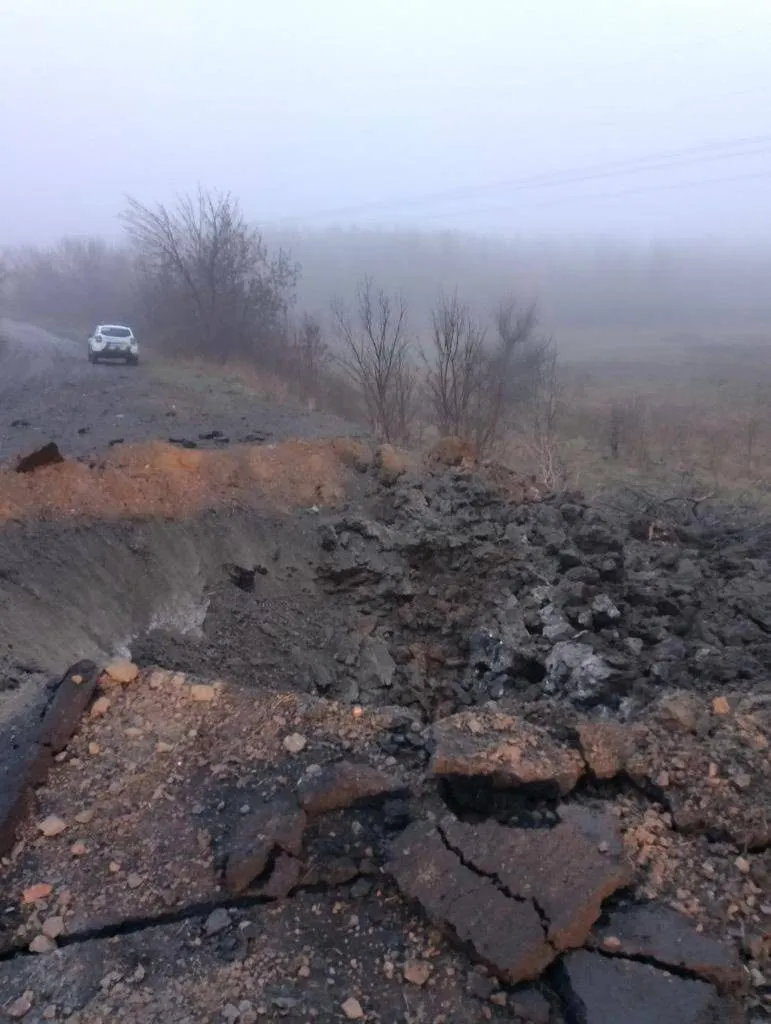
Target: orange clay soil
[{"x": 160, "y": 479}]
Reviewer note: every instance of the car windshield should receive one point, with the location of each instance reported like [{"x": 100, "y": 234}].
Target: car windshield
[{"x": 115, "y": 332}]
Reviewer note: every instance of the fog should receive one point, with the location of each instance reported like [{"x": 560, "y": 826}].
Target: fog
[{"x": 645, "y": 120}]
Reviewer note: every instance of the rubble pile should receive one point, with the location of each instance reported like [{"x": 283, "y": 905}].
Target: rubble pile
[{"x": 517, "y": 771}]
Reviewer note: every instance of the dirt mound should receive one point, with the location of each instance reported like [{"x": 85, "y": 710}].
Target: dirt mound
[{"x": 165, "y": 480}]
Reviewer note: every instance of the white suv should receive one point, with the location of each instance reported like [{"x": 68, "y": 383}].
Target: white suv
[{"x": 112, "y": 341}]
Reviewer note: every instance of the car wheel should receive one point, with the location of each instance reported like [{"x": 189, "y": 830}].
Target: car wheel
[{"x": 133, "y": 361}]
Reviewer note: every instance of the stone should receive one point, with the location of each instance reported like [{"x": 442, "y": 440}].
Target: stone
[
  {"x": 376, "y": 666},
  {"x": 606, "y": 747},
  {"x": 680, "y": 712},
  {"x": 21, "y": 1006},
  {"x": 504, "y": 932},
  {"x": 607, "y": 990},
  {"x": 417, "y": 972},
  {"x": 36, "y": 892},
  {"x": 575, "y": 671},
  {"x": 720, "y": 706},
  {"x": 505, "y": 750},
  {"x": 655, "y": 932},
  {"x": 216, "y": 922},
  {"x": 295, "y": 743},
  {"x": 52, "y": 826},
  {"x": 342, "y": 785},
  {"x": 285, "y": 875},
  {"x": 279, "y": 825},
  {"x": 352, "y": 1009},
  {"x": 604, "y": 611},
  {"x": 122, "y": 671},
  {"x": 53, "y": 927},
  {"x": 100, "y": 707},
  {"x": 42, "y": 944},
  {"x": 203, "y": 693}
]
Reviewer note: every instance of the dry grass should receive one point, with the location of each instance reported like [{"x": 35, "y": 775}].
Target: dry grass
[{"x": 692, "y": 421}]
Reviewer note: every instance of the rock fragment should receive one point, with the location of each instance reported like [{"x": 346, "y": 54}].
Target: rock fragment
[
  {"x": 21, "y": 1006},
  {"x": 202, "y": 693},
  {"x": 285, "y": 875},
  {"x": 577, "y": 672},
  {"x": 352, "y": 1009},
  {"x": 42, "y": 944},
  {"x": 295, "y": 743},
  {"x": 52, "y": 826},
  {"x": 53, "y": 927},
  {"x": 505, "y": 750},
  {"x": 122, "y": 671},
  {"x": 605, "y": 746},
  {"x": 342, "y": 785},
  {"x": 417, "y": 972},
  {"x": 36, "y": 892},
  {"x": 279, "y": 825},
  {"x": 216, "y": 922}
]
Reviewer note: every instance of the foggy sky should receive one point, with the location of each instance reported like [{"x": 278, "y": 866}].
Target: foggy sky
[{"x": 368, "y": 111}]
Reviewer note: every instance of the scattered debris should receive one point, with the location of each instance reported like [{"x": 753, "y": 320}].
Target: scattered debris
[{"x": 48, "y": 455}]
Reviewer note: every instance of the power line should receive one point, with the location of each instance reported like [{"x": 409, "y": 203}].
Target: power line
[
  {"x": 705, "y": 153},
  {"x": 643, "y": 189}
]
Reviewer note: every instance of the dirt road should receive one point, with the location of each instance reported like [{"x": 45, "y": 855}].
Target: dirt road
[{"x": 50, "y": 392}]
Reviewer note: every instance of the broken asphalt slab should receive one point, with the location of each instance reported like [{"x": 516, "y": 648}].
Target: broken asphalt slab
[
  {"x": 602, "y": 990},
  {"x": 504, "y": 750},
  {"x": 655, "y": 933},
  {"x": 517, "y": 897}
]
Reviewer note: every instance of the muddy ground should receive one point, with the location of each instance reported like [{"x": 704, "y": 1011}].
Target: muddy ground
[{"x": 397, "y": 742}]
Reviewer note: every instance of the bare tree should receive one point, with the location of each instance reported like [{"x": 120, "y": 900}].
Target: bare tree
[
  {"x": 544, "y": 421},
  {"x": 377, "y": 358},
  {"x": 309, "y": 358},
  {"x": 209, "y": 282},
  {"x": 73, "y": 285},
  {"x": 457, "y": 373}
]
